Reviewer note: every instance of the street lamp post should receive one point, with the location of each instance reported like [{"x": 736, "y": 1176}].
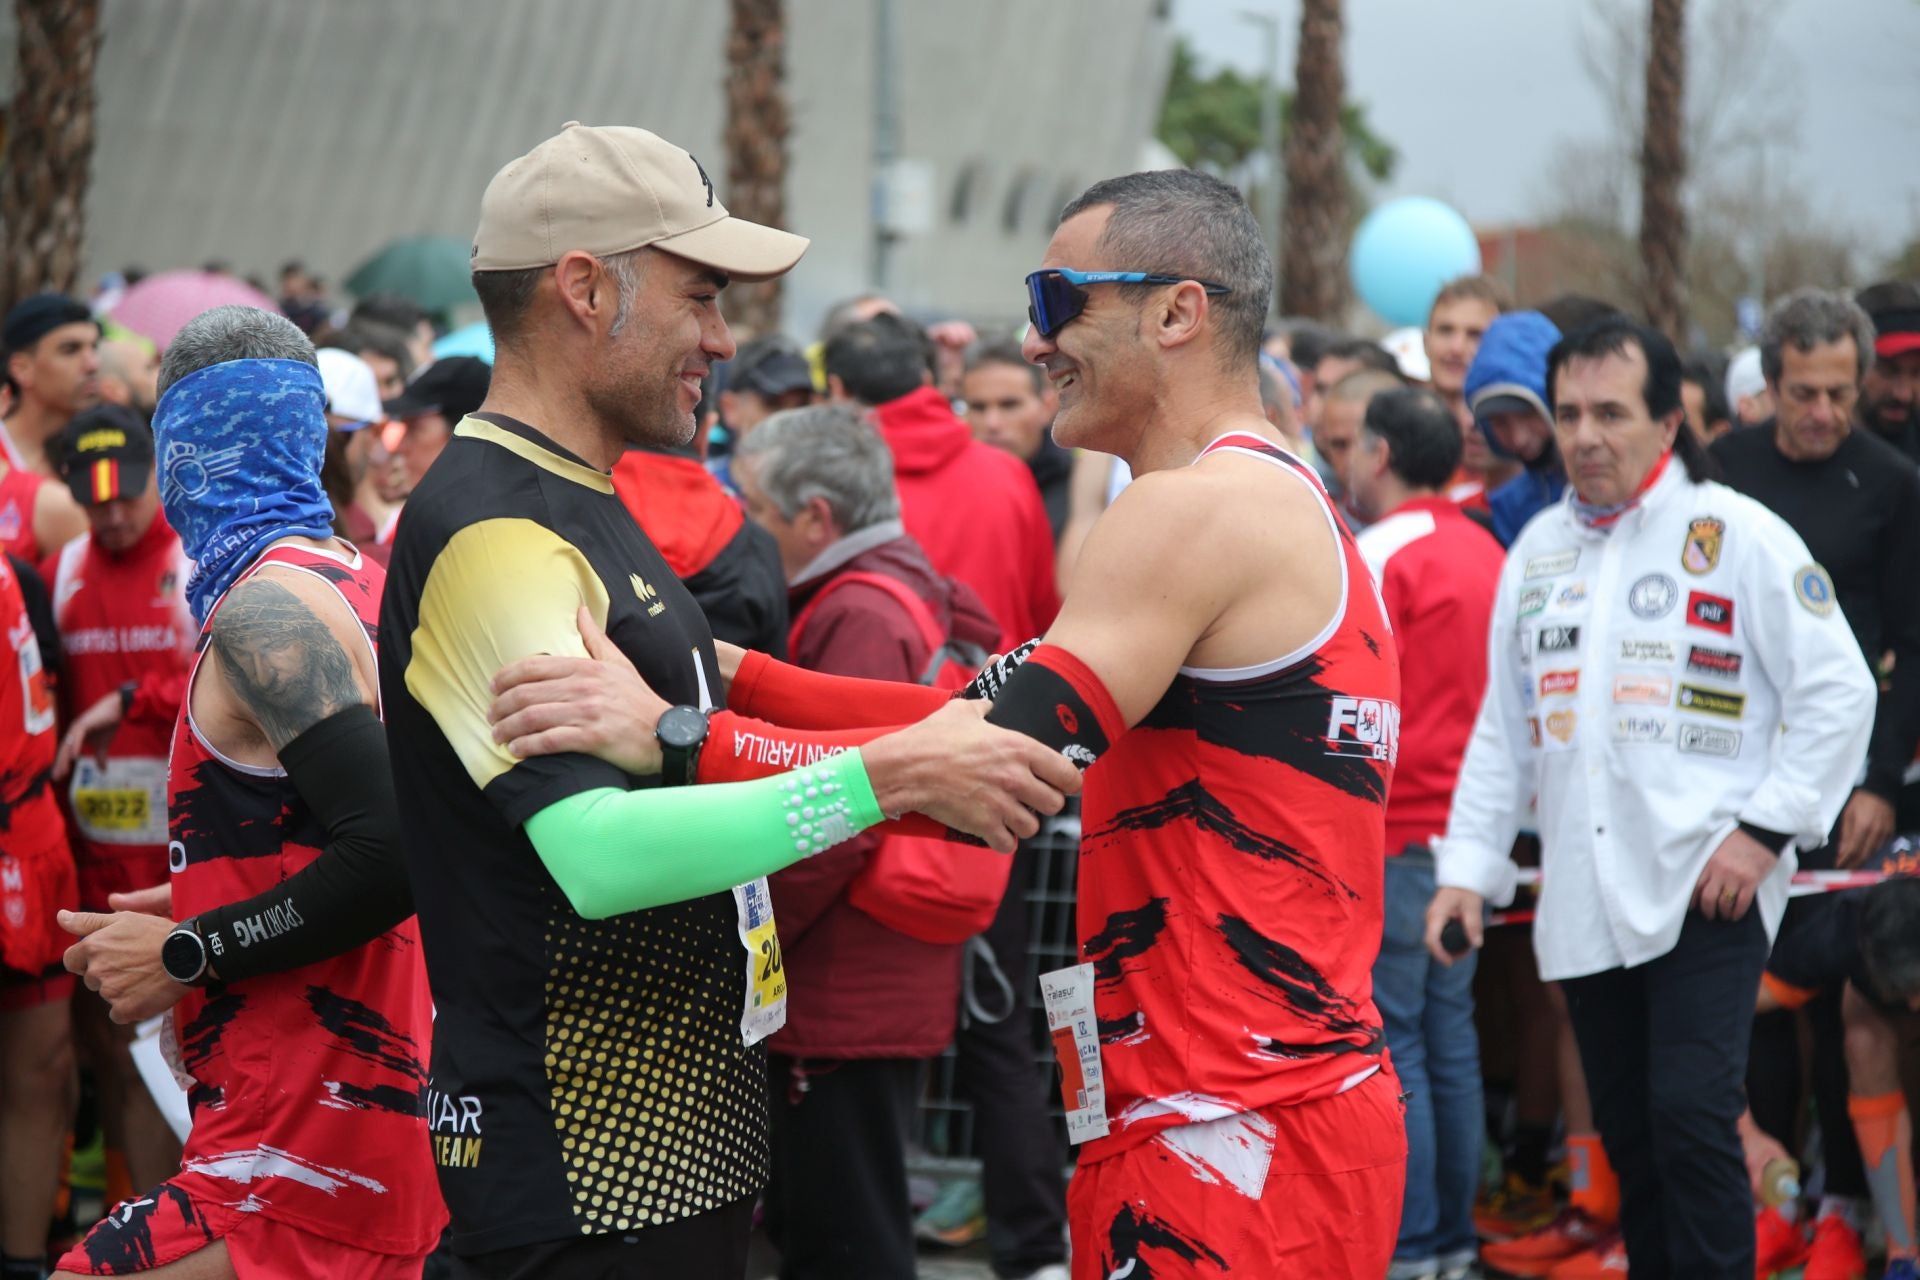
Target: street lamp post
[{"x": 1270, "y": 128}]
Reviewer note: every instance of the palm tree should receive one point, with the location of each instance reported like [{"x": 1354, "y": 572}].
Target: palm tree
[
  {"x": 1663, "y": 169},
  {"x": 756, "y": 140},
  {"x": 49, "y": 145},
  {"x": 1313, "y": 278}
]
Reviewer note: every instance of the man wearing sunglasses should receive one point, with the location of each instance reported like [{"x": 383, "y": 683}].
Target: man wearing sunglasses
[{"x": 1224, "y": 670}]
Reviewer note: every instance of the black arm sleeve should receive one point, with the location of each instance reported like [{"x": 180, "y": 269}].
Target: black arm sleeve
[
  {"x": 355, "y": 890},
  {"x": 1896, "y": 724}
]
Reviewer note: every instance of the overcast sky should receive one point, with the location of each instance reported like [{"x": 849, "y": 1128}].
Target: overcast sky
[{"x": 1478, "y": 94}]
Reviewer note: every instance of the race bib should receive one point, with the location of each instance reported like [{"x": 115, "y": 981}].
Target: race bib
[
  {"x": 1068, "y": 995},
  {"x": 765, "y": 1011},
  {"x": 122, "y": 802}
]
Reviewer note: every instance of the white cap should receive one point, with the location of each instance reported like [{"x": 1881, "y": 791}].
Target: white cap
[
  {"x": 353, "y": 392},
  {"x": 1408, "y": 347},
  {"x": 1744, "y": 377}
]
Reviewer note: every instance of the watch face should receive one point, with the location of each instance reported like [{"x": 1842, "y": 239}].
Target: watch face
[
  {"x": 681, "y": 727},
  {"x": 183, "y": 955}
]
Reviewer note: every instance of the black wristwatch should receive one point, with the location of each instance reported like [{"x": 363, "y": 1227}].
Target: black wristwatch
[
  {"x": 127, "y": 694},
  {"x": 682, "y": 731},
  {"x": 184, "y": 956}
]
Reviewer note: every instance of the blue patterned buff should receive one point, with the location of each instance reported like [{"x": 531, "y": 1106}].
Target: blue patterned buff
[{"x": 240, "y": 446}]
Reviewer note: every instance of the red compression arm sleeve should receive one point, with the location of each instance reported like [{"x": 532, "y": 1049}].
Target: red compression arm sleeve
[
  {"x": 799, "y": 699},
  {"x": 740, "y": 749}
]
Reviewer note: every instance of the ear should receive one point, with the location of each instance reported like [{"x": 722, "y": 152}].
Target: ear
[
  {"x": 586, "y": 291},
  {"x": 823, "y": 531},
  {"x": 1672, "y": 423},
  {"x": 837, "y": 390},
  {"x": 17, "y": 362},
  {"x": 1182, "y": 315}
]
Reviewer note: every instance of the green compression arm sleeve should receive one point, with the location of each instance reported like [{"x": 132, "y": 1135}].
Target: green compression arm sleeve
[{"x": 614, "y": 851}]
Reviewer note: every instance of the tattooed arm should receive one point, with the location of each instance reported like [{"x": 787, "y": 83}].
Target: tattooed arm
[{"x": 287, "y": 686}]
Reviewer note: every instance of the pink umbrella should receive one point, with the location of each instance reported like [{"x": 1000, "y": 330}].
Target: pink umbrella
[{"x": 160, "y": 305}]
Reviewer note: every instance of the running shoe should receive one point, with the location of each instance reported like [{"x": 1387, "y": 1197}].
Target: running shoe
[
  {"x": 956, "y": 1218},
  {"x": 1778, "y": 1244},
  {"x": 1837, "y": 1253},
  {"x": 1537, "y": 1253},
  {"x": 1514, "y": 1208},
  {"x": 1605, "y": 1261}
]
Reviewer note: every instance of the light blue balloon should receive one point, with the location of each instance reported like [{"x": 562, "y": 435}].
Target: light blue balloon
[
  {"x": 474, "y": 340},
  {"x": 1404, "y": 251}
]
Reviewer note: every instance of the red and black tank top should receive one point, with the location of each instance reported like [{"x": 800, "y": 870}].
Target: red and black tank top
[
  {"x": 1230, "y": 889},
  {"x": 309, "y": 1085}
]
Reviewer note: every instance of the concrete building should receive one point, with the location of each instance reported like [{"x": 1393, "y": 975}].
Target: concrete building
[{"x": 255, "y": 131}]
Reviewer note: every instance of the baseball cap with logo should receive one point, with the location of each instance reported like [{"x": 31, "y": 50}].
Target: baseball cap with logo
[
  {"x": 105, "y": 452},
  {"x": 609, "y": 189}
]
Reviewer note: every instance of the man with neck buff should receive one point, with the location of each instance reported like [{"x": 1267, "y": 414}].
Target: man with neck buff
[
  {"x": 1237, "y": 714},
  {"x": 296, "y": 979},
  {"x": 1670, "y": 673}
]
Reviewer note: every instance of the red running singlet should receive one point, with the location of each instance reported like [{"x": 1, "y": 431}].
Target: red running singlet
[
  {"x": 308, "y": 1086},
  {"x": 1231, "y": 868}
]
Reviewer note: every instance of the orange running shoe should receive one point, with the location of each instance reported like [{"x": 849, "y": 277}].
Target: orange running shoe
[
  {"x": 1605, "y": 1261},
  {"x": 1836, "y": 1253},
  {"x": 1779, "y": 1244},
  {"x": 1514, "y": 1208},
  {"x": 1536, "y": 1254}
]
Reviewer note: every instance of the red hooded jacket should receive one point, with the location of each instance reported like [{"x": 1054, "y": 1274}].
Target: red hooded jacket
[
  {"x": 855, "y": 988},
  {"x": 976, "y": 511}
]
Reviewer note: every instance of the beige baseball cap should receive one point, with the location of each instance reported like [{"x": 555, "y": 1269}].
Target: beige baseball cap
[{"x": 607, "y": 189}]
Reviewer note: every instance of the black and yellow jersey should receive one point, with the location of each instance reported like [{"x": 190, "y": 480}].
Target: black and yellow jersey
[{"x": 589, "y": 1076}]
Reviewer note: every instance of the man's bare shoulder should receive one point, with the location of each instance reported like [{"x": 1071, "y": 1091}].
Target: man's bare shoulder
[{"x": 288, "y": 654}]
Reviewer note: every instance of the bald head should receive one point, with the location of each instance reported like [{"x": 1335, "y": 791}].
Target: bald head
[{"x": 129, "y": 374}]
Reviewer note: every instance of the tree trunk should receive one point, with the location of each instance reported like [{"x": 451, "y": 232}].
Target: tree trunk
[
  {"x": 49, "y": 146},
  {"x": 1313, "y": 276},
  {"x": 1663, "y": 169},
  {"x": 757, "y": 127}
]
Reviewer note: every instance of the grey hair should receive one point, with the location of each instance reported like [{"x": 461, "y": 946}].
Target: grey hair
[
  {"x": 824, "y": 451},
  {"x": 1807, "y": 318},
  {"x": 507, "y": 296},
  {"x": 1180, "y": 222},
  {"x": 232, "y": 332}
]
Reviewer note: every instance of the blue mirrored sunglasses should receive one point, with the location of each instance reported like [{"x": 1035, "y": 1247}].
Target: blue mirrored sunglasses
[{"x": 1058, "y": 295}]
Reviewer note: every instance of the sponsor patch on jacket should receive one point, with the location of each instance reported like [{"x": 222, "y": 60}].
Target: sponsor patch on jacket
[
  {"x": 1713, "y": 702},
  {"x": 1549, "y": 566},
  {"x": 1714, "y": 662},
  {"x": 1533, "y": 600},
  {"x": 1646, "y": 651},
  {"x": 1645, "y": 691},
  {"x": 1653, "y": 596},
  {"x": 1814, "y": 590},
  {"x": 1557, "y": 639},
  {"x": 1572, "y": 596},
  {"x": 1643, "y": 730},
  {"x": 1709, "y": 740},
  {"x": 1701, "y": 552},
  {"x": 1559, "y": 683},
  {"x": 1560, "y": 724},
  {"x": 1714, "y": 613}
]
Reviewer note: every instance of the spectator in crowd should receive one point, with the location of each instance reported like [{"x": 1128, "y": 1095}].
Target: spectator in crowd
[
  {"x": 1280, "y": 401},
  {"x": 766, "y": 375},
  {"x": 381, "y": 346},
  {"x": 1306, "y": 343},
  {"x": 1854, "y": 499},
  {"x": 1747, "y": 394},
  {"x": 52, "y": 347},
  {"x": 120, "y": 604},
  {"x": 1339, "y": 431},
  {"x": 867, "y": 1004},
  {"x": 1705, "y": 399},
  {"x": 1506, "y": 389},
  {"x": 1460, "y": 314},
  {"x": 1010, "y": 406},
  {"x": 403, "y": 316},
  {"x": 730, "y": 565},
  {"x": 1572, "y": 312},
  {"x": 354, "y": 421},
  {"x": 1671, "y": 793},
  {"x": 974, "y": 509},
  {"x": 433, "y": 404},
  {"x": 1345, "y": 356},
  {"x": 129, "y": 370},
  {"x": 1890, "y": 392},
  {"x": 1437, "y": 571},
  {"x": 1862, "y": 945}
]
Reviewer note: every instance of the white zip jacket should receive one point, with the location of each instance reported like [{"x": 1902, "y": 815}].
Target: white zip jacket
[{"x": 1656, "y": 684}]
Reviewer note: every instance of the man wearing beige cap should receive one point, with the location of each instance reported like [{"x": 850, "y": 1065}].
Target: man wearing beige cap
[{"x": 600, "y": 939}]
